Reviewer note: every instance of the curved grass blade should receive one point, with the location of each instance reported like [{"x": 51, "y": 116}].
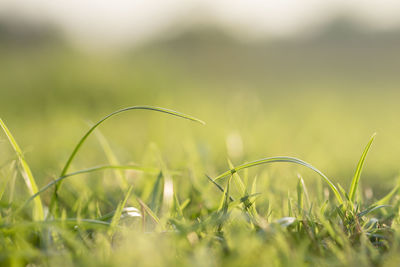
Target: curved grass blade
[
  {"x": 282, "y": 159},
  {"x": 357, "y": 175},
  {"x": 83, "y": 139},
  {"x": 38, "y": 213},
  {"x": 89, "y": 170}
]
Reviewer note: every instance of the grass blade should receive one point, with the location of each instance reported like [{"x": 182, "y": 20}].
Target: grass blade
[
  {"x": 357, "y": 175},
  {"x": 304, "y": 191},
  {"x": 27, "y": 174},
  {"x": 282, "y": 159},
  {"x": 83, "y": 139},
  {"x": 89, "y": 170},
  {"x": 112, "y": 159},
  {"x": 118, "y": 212},
  {"x": 371, "y": 209},
  {"x": 252, "y": 192},
  {"x": 150, "y": 213},
  {"x": 219, "y": 187},
  {"x": 157, "y": 194},
  {"x": 300, "y": 196},
  {"x": 238, "y": 181},
  {"x": 176, "y": 208},
  {"x": 224, "y": 204},
  {"x": 386, "y": 198}
]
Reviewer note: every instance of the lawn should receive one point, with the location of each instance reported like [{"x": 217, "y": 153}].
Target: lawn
[{"x": 286, "y": 169}]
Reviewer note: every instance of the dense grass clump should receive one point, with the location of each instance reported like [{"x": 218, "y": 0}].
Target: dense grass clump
[{"x": 150, "y": 215}]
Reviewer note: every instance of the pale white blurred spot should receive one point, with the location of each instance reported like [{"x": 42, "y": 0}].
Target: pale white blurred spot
[
  {"x": 193, "y": 238},
  {"x": 130, "y": 212},
  {"x": 326, "y": 193},
  {"x": 168, "y": 191},
  {"x": 286, "y": 221},
  {"x": 234, "y": 145},
  {"x": 369, "y": 193},
  {"x": 45, "y": 211}
]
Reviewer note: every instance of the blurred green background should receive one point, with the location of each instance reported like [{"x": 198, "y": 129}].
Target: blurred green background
[{"x": 318, "y": 97}]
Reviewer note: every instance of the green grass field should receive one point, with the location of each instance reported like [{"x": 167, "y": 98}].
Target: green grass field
[{"x": 284, "y": 172}]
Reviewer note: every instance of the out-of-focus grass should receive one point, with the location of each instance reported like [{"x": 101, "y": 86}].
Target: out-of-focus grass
[
  {"x": 302, "y": 99},
  {"x": 316, "y": 100}
]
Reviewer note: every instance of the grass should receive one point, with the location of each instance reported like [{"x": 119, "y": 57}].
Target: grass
[
  {"x": 143, "y": 191},
  {"x": 160, "y": 216},
  {"x": 26, "y": 173}
]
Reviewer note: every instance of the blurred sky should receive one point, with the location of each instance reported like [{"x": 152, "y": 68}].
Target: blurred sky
[{"x": 129, "y": 21}]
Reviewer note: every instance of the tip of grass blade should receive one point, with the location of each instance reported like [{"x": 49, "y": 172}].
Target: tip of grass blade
[
  {"x": 357, "y": 175},
  {"x": 171, "y": 112}
]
